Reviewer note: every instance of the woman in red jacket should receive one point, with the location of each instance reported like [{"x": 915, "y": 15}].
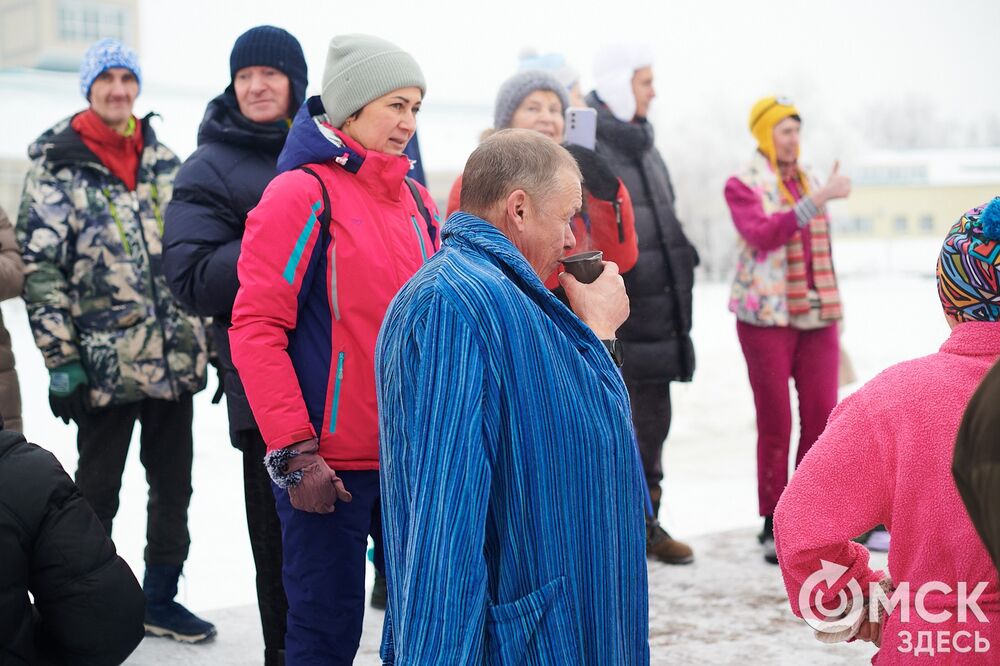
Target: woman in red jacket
[
  {"x": 334, "y": 237},
  {"x": 536, "y": 100}
]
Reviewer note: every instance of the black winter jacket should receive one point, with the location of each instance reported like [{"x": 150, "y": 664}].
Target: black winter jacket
[
  {"x": 976, "y": 466},
  {"x": 214, "y": 190},
  {"x": 657, "y": 334},
  {"x": 88, "y": 606}
]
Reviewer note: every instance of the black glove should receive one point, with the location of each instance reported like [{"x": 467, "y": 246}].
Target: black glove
[
  {"x": 598, "y": 178},
  {"x": 73, "y": 406},
  {"x": 220, "y": 390}
]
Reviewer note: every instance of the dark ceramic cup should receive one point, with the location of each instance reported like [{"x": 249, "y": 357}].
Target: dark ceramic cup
[{"x": 585, "y": 266}]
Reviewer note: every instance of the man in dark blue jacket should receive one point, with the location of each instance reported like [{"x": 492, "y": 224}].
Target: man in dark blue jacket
[{"x": 239, "y": 140}]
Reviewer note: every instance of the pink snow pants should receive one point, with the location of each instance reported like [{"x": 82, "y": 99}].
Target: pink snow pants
[{"x": 775, "y": 354}]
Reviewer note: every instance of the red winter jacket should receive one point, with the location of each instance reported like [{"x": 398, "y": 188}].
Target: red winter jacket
[
  {"x": 611, "y": 228},
  {"x": 308, "y": 312}
]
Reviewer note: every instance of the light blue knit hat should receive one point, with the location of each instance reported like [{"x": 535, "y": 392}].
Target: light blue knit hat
[{"x": 104, "y": 55}]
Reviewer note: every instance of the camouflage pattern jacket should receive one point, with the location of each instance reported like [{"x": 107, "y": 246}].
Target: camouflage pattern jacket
[{"x": 94, "y": 282}]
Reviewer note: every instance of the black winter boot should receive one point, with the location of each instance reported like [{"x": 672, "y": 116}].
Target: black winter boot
[
  {"x": 166, "y": 617},
  {"x": 766, "y": 539},
  {"x": 380, "y": 594}
]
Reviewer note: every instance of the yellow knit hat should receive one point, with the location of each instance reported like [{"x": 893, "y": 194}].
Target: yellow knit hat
[{"x": 765, "y": 114}]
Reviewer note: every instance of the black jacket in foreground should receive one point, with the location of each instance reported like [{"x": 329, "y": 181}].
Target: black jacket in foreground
[
  {"x": 657, "y": 333},
  {"x": 88, "y": 606},
  {"x": 215, "y": 188}
]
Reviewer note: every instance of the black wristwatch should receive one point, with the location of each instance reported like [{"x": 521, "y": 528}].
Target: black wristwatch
[{"x": 614, "y": 347}]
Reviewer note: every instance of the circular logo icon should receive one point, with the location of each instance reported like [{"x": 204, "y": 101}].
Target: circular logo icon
[{"x": 845, "y": 612}]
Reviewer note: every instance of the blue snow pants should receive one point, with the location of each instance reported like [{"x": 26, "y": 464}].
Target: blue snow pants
[{"x": 323, "y": 569}]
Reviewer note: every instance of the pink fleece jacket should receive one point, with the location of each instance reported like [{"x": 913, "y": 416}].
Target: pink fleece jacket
[{"x": 885, "y": 457}]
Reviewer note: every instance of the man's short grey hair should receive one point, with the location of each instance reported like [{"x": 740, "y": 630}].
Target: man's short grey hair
[{"x": 512, "y": 159}]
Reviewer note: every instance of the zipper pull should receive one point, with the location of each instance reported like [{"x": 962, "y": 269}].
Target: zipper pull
[{"x": 617, "y": 203}]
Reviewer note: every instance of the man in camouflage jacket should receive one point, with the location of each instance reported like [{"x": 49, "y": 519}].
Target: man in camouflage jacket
[
  {"x": 118, "y": 347},
  {"x": 95, "y": 288}
]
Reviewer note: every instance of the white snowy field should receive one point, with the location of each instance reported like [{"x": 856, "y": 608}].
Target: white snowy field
[{"x": 891, "y": 314}]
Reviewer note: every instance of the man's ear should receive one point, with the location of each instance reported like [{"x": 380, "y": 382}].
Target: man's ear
[{"x": 517, "y": 203}]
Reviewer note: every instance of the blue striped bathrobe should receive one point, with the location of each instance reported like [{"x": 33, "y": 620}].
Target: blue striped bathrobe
[{"x": 512, "y": 494}]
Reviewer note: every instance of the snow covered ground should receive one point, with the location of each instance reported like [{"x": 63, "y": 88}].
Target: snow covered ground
[{"x": 726, "y": 608}]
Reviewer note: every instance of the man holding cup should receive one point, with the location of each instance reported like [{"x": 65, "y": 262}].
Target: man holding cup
[{"x": 512, "y": 490}]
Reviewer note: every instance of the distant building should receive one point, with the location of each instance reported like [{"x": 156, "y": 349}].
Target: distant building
[
  {"x": 53, "y": 34},
  {"x": 916, "y": 192},
  {"x": 41, "y": 45}
]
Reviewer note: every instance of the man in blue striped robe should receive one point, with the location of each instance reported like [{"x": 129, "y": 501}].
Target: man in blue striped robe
[{"x": 512, "y": 493}]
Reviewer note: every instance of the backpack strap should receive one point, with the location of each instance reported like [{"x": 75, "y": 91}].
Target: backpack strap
[
  {"x": 324, "y": 217},
  {"x": 424, "y": 213}
]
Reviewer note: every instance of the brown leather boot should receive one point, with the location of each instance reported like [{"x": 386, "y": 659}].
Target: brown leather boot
[
  {"x": 661, "y": 546},
  {"x": 655, "y": 493}
]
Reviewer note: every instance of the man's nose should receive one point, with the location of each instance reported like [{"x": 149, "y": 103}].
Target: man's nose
[
  {"x": 569, "y": 239},
  {"x": 256, "y": 83}
]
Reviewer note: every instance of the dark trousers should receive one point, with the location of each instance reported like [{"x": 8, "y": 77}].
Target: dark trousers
[
  {"x": 166, "y": 452},
  {"x": 775, "y": 354},
  {"x": 651, "y": 417},
  {"x": 265, "y": 542},
  {"x": 324, "y": 572}
]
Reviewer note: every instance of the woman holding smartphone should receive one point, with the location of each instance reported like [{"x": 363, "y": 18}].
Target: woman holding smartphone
[{"x": 536, "y": 100}]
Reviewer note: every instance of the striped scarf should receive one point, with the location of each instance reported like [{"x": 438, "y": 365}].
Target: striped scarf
[{"x": 797, "y": 287}]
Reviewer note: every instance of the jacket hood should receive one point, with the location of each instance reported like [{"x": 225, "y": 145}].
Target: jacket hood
[
  {"x": 477, "y": 232},
  {"x": 312, "y": 140},
  {"x": 61, "y": 144},
  {"x": 223, "y": 123}
]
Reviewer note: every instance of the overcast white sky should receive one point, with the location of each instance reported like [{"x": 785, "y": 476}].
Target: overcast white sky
[{"x": 847, "y": 53}]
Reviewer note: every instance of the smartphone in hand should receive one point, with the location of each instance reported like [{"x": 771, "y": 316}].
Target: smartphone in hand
[{"x": 581, "y": 127}]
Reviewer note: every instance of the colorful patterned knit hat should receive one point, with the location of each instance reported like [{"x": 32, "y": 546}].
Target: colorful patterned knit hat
[
  {"x": 104, "y": 55},
  {"x": 968, "y": 269}
]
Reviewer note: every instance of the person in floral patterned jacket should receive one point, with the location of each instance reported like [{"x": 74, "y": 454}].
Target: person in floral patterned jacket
[
  {"x": 784, "y": 295},
  {"x": 118, "y": 347}
]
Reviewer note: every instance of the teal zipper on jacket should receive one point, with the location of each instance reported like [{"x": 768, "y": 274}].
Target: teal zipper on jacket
[
  {"x": 335, "y": 404},
  {"x": 420, "y": 238}
]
